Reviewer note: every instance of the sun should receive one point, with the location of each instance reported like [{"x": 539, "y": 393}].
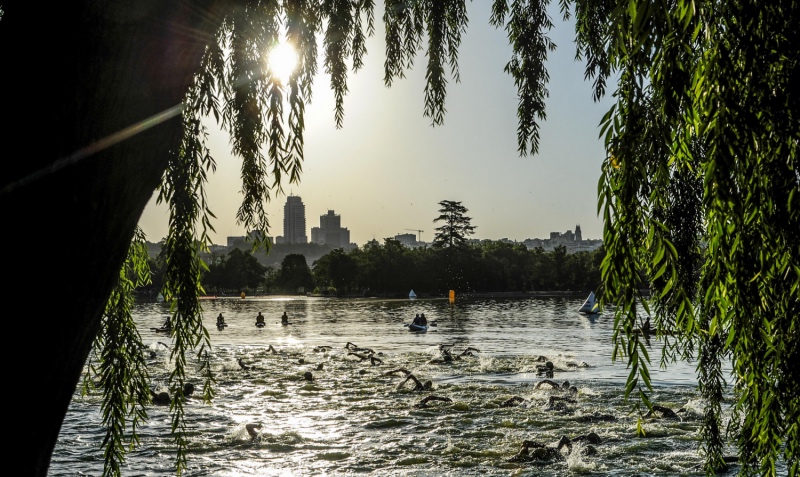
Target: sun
[{"x": 282, "y": 61}]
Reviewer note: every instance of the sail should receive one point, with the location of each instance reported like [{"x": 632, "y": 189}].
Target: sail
[
  {"x": 590, "y": 305},
  {"x": 412, "y": 294}
]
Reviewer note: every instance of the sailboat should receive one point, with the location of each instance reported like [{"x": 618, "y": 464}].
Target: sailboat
[
  {"x": 412, "y": 294},
  {"x": 590, "y": 306}
]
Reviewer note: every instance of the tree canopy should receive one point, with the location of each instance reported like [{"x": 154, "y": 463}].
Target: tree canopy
[
  {"x": 700, "y": 189},
  {"x": 456, "y": 226}
]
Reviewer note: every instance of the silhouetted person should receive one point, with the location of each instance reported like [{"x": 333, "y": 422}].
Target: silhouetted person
[
  {"x": 512, "y": 401},
  {"x": 404, "y": 371},
  {"x": 163, "y": 398},
  {"x": 418, "y": 386},
  {"x": 424, "y": 402}
]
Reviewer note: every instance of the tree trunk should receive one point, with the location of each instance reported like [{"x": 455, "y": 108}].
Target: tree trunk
[{"x": 74, "y": 74}]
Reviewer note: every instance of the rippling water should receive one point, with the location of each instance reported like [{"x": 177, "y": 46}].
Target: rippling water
[{"x": 354, "y": 418}]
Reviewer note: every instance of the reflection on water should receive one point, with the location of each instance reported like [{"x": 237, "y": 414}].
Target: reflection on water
[{"x": 356, "y": 417}]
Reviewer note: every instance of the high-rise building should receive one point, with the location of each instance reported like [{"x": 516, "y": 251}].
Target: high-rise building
[
  {"x": 331, "y": 232},
  {"x": 578, "y": 237},
  {"x": 294, "y": 221}
]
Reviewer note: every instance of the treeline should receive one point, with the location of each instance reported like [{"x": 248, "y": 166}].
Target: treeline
[{"x": 393, "y": 269}]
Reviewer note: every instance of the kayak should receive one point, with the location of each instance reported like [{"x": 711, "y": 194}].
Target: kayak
[
  {"x": 261, "y": 325},
  {"x": 161, "y": 330},
  {"x": 417, "y": 328}
]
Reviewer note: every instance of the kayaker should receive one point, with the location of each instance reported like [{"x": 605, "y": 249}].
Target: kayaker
[
  {"x": 422, "y": 320},
  {"x": 167, "y": 324},
  {"x": 220, "y": 320},
  {"x": 646, "y": 327},
  {"x": 284, "y": 319},
  {"x": 260, "y": 319}
]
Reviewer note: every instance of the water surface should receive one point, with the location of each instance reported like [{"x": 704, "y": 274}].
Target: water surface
[{"x": 354, "y": 418}]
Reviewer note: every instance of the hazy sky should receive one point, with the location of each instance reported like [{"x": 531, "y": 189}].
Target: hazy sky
[{"x": 387, "y": 169}]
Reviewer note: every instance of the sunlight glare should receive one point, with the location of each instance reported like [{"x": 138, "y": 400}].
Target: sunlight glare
[{"x": 282, "y": 61}]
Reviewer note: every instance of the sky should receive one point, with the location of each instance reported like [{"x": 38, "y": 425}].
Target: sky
[{"x": 386, "y": 170}]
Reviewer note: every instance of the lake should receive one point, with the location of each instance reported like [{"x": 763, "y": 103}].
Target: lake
[{"x": 357, "y": 417}]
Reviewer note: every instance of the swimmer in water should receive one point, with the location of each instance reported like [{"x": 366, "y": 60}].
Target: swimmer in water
[
  {"x": 513, "y": 401},
  {"x": 545, "y": 370},
  {"x": 252, "y": 429},
  {"x": 352, "y": 347},
  {"x": 535, "y": 451},
  {"x": 558, "y": 403},
  {"x": 424, "y": 402},
  {"x": 244, "y": 366},
  {"x": 664, "y": 412},
  {"x": 163, "y": 398},
  {"x": 372, "y": 359},
  {"x": 547, "y": 382},
  {"x": 418, "y": 385},
  {"x": 402, "y": 371},
  {"x": 468, "y": 352}
]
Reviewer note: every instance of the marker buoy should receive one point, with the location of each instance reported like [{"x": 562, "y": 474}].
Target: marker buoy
[
  {"x": 452, "y": 296},
  {"x": 242, "y": 295}
]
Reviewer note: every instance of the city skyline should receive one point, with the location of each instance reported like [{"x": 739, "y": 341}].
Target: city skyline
[
  {"x": 387, "y": 168},
  {"x": 332, "y": 233}
]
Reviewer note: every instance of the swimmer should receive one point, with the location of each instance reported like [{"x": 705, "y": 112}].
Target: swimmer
[
  {"x": 558, "y": 403},
  {"x": 252, "y": 430},
  {"x": 352, "y": 347},
  {"x": 318, "y": 349},
  {"x": 424, "y": 402},
  {"x": 163, "y": 398},
  {"x": 547, "y": 382},
  {"x": 404, "y": 371},
  {"x": 272, "y": 350},
  {"x": 535, "y": 451},
  {"x": 361, "y": 357},
  {"x": 418, "y": 386},
  {"x": 590, "y": 438},
  {"x": 665, "y": 412},
  {"x": 513, "y": 401},
  {"x": 545, "y": 370},
  {"x": 596, "y": 416},
  {"x": 244, "y": 366},
  {"x": 468, "y": 352}
]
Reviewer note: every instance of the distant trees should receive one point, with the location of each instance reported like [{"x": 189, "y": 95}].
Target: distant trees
[
  {"x": 391, "y": 268},
  {"x": 336, "y": 269},
  {"x": 238, "y": 271},
  {"x": 294, "y": 274},
  {"x": 456, "y": 227}
]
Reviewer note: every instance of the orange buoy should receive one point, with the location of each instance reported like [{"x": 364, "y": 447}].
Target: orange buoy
[
  {"x": 452, "y": 296},
  {"x": 242, "y": 295}
]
